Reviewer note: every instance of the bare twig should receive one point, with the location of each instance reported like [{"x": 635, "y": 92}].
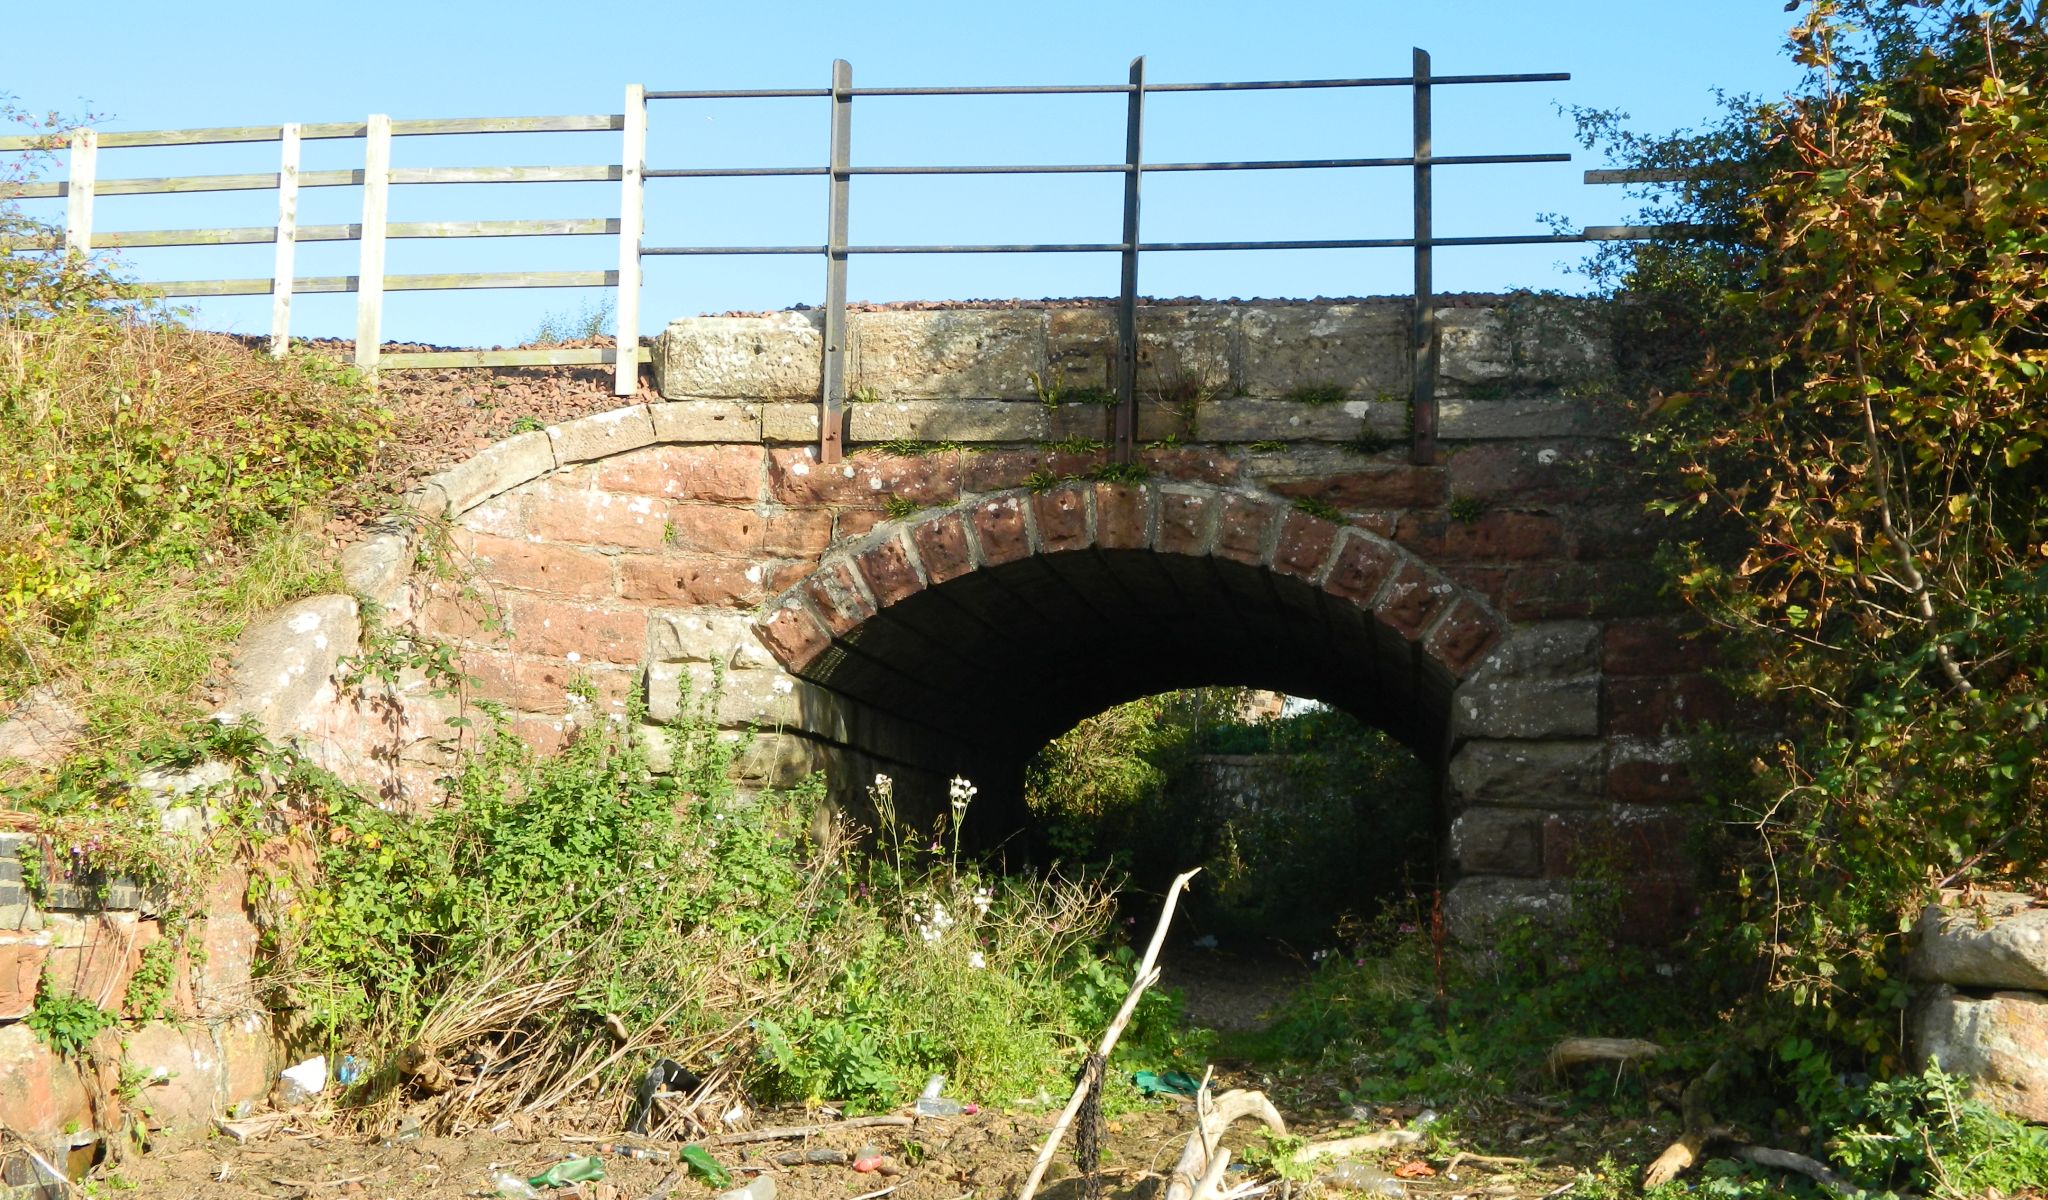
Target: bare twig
[
  {"x": 785, "y": 1132},
  {"x": 1148, "y": 973},
  {"x": 1202, "y": 1160},
  {"x": 1786, "y": 1160}
]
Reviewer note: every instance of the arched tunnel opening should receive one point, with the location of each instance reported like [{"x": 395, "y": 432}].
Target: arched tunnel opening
[{"x": 955, "y": 651}]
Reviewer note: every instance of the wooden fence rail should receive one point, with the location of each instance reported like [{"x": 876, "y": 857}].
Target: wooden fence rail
[{"x": 376, "y": 177}]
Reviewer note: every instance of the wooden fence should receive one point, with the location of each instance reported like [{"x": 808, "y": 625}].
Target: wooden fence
[{"x": 377, "y": 177}]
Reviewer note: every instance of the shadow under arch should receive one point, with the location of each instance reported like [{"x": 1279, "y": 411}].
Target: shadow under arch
[{"x": 960, "y": 640}]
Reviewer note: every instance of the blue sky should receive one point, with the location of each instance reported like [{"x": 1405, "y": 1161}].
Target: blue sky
[{"x": 153, "y": 66}]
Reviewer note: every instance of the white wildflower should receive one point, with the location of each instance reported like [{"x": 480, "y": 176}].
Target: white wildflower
[
  {"x": 962, "y": 791},
  {"x": 977, "y": 961}
]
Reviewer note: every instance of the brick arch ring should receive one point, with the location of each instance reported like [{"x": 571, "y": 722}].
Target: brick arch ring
[{"x": 1450, "y": 628}]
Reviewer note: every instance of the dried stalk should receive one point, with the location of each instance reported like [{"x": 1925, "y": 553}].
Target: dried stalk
[{"x": 1148, "y": 974}]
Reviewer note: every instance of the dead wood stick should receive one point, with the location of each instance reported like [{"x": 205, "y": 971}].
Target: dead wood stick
[
  {"x": 668, "y": 1184},
  {"x": 1686, "y": 1151},
  {"x": 1148, "y": 973},
  {"x": 1365, "y": 1143},
  {"x": 785, "y": 1132},
  {"x": 1570, "y": 1052},
  {"x": 1199, "y": 1158},
  {"x": 1786, "y": 1160}
]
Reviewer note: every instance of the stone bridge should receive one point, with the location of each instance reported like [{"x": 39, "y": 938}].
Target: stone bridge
[{"x": 976, "y": 575}]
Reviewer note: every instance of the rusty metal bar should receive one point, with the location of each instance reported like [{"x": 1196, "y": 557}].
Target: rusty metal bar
[
  {"x": 1127, "y": 293},
  {"x": 832, "y": 403},
  {"x": 1422, "y": 395}
]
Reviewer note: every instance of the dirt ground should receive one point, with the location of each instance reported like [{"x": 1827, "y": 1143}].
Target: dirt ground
[{"x": 939, "y": 1158}]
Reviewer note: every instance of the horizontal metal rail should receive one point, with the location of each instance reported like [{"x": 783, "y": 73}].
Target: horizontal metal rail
[
  {"x": 1111, "y": 166},
  {"x": 1095, "y": 89}
]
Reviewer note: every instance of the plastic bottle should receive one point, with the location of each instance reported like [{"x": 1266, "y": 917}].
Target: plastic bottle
[
  {"x": 575, "y": 1170},
  {"x": 1360, "y": 1177},
  {"x": 625, "y": 1151},
  {"x": 512, "y": 1187},
  {"x": 760, "y": 1187},
  {"x": 931, "y": 1104}
]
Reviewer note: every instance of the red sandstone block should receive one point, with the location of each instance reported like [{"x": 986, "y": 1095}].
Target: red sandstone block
[
  {"x": 1189, "y": 464},
  {"x": 691, "y": 580},
  {"x": 541, "y": 566},
  {"x": 1520, "y": 473},
  {"x": 1641, "y": 782},
  {"x": 559, "y": 628},
  {"x": 1638, "y": 841},
  {"x": 1062, "y": 517},
  {"x": 1413, "y": 598},
  {"x": 852, "y": 524},
  {"x": 1488, "y": 582},
  {"x": 1652, "y": 646},
  {"x": 592, "y": 518},
  {"x": 891, "y": 576},
  {"x": 1462, "y": 637},
  {"x": 720, "y": 474},
  {"x": 1304, "y": 545},
  {"x": 1490, "y": 537},
  {"x": 1388, "y": 485},
  {"x": 743, "y": 533},
  {"x": 1122, "y": 512},
  {"x": 1184, "y": 521},
  {"x": 1241, "y": 527},
  {"x": 838, "y": 596},
  {"x": 93, "y": 958},
  {"x": 545, "y": 734},
  {"x": 1003, "y": 469},
  {"x": 541, "y": 685},
  {"x": 941, "y": 545},
  {"x": 1000, "y": 530},
  {"x": 1651, "y": 706},
  {"x": 1615, "y": 531},
  {"x": 21, "y": 969},
  {"x": 794, "y": 635},
  {"x": 448, "y": 613},
  {"x": 1363, "y": 565},
  {"x": 796, "y": 477}
]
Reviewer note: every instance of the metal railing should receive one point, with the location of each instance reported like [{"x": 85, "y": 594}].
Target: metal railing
[{"x": 378, "y": 176}]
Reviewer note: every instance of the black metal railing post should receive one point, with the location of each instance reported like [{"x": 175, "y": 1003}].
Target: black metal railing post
[
  {"x": 1422, "y": 396},
  {"x": 832, "y": 397},
  {"x": 1127, "y": 295}
]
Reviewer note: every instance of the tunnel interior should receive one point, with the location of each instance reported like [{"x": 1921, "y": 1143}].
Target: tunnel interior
[{"x": 973, "y": 676}]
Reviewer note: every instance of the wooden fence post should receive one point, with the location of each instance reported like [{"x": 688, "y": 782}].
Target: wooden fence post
[
  {"x": 632, "y": 219},
  {"x": 85, "y": 146},
  {"x": 376, "y": 211},
  {"x": 287, "y": 240}
]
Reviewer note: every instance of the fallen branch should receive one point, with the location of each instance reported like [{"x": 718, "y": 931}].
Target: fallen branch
[
  {"x": 1148, "y": 974},
  {"x": 786, "y": 1132},
  {"x": 1365, "y": 1143},
  {"x": 1202, "y": 1161},
  {"x": 1572, "y": 1051},
  {"x": 1683, "y": 1153},
  {"x": 1785, "y": 1160}
]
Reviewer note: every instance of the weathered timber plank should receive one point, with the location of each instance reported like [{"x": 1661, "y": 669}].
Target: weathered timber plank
[
  {"x": 376, "y": 211},
  {"x": 222, "y": 134},
  {"x": 287, "y": 240},
  {"x": 589, "y": 174},
  {"x": 632, "y": 212},
  {"x": 546, "y": 357}
]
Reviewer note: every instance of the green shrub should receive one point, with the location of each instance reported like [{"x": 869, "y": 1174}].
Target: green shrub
[{"x": 67, "y": 1024}]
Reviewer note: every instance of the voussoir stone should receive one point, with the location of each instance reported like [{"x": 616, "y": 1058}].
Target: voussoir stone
[
  {"x": 2000, "y": 1041},
  {"x": 496, "y": 468},
  {"x": 2005, "y": 947}
]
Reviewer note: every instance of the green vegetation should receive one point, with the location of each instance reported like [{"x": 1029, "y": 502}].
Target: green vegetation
[
  {"x": 1316, "y": 506},
  {"x": 1116, "y": 472},
  {"x": 592, "y": 319},
  {"x": 158, "y": 486},
  {"x": 1075, "y": 445},
  {"x": 710, "y": 927},
  {"x": 917, "y": 448},
  {"x": 1055, "y": 392},
  {"x": 67, "y": 1024},
  {"x": 1350, "y": 825},
  {"x": 898, "y": 507}
]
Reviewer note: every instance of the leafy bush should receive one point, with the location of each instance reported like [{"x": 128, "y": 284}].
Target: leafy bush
[
  {"x": 157, "y": 485},
  {"x": 1851, "y": 445},
  {"x": 704, "y": 922},
  {"x": 67, "y": 1024}
]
